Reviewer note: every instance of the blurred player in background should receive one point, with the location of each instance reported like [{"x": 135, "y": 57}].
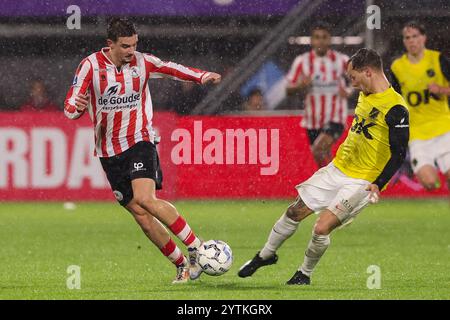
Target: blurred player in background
[
  {"x": 422, "y": 77},
  {"x": 365, "y": 162},
  {"x": 39, "y": 100},
  {"x": 320, "y": 74},
  {"x": 112, "y": 85}
]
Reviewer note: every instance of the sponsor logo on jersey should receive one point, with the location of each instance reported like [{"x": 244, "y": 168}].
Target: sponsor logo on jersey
[
  {"x": 113, "y": 90},
  {"x": 374, "y": 113},
  {"x": 111, "y": 97},
  {"x": 114, "y": 100},
  {"x": 361, "y": 127},
  {"x": 402, "y": 124}
]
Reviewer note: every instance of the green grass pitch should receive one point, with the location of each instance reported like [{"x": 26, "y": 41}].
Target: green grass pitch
[{"x": 409, "y": 240}]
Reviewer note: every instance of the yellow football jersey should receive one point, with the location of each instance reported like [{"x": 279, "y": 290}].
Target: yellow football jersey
[
  {"x": 429, "y": 115},
  {"x": 366, "y": 150}
]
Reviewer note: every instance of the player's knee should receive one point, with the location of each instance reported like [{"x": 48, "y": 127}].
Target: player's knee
[
  {"x": 318, "y": 152},
  {"x": 429, "y": 184},
  {"x": 429, "y": 181},
  {"x": 293, "y": 213},
  {"x": 144, "y": 200},
  {"x": 296, "y": 211},
  {"x": 322, "y": 229},
  {"x": 136, "y": 210}
]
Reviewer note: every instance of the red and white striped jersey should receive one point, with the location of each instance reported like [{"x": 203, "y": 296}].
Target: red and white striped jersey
[
  {"x": 120, "y": 104},
  {"x": 322, "y": 103}
]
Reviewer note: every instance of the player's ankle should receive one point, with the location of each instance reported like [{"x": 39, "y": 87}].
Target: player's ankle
[{"x": 266, "y": 254}]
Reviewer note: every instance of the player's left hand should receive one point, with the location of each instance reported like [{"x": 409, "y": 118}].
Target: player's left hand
[
  {"x": 211, "y": 77},
  {"x": 374, "y": 195},
  {"x": 434, "y": 88}
]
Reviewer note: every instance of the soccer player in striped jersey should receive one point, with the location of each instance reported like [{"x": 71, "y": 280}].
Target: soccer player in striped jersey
[
  {"x": 320, "y": 74},
  {"x": 422, "y": 76},
  {"x": 112, "y": 86},
  {"x": 365, "y": 162}
]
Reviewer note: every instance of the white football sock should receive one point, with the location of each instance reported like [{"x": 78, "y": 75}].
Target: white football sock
[
  {"x": 316, "y": 248},
  {"x": 283, "y": 229}
]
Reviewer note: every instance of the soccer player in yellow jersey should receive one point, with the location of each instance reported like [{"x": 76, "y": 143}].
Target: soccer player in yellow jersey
[
  {"x": 374, "y": 149},
  {"x": 422, "y": 77}
]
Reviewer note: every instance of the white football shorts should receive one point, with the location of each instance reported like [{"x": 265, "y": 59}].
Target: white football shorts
[
  {"x": 431, "y": 152},
  {"x": 329, "y": 188}
]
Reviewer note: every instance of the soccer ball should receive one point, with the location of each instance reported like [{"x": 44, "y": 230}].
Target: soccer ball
[{"x": 215, "y": 257}]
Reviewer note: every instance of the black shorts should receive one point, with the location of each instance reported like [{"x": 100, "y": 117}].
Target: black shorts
[
  {"x": 140, "y": 161},
  {"x": 333, "y": 129}
]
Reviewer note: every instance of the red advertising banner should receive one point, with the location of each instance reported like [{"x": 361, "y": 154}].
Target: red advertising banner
[{"x": 45, "y": 156}]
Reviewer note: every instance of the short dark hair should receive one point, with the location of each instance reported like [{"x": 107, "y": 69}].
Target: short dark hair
[
  {"x": 321, "y": 25},
  {"x": 415, "y": 25},
  {"x": 366, "y": 58},
  {"x": 120, "y": 27}
]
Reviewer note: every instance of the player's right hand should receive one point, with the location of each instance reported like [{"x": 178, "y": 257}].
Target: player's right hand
[
  {"x": 374, "y": 195},
  {"x": 81, "y": 102},
  {"x": 306, "y": 82}
]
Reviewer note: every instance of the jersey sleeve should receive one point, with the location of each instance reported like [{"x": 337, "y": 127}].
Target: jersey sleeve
[
  {"x": 445, "y": 66},
  {"x": 167, "y": 69},
  {"x": 394, "y": 81},
  {"x": 397, "y": 120},
  {"x": 80, "y": 85},
  {"x": 295, "y": 72}
]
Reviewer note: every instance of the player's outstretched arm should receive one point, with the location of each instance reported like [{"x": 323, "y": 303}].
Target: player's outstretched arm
[
  {"x": 398, "y": 121},
  {"x": 77, "y": 99},
  {"x": 167, "y": 69}
]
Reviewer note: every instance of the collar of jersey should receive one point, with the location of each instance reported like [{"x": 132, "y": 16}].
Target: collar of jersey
[
  {"x": 109, "y": 61},
  {"x": 380, "y": 94},
  {"x": 422, "y": 61}
]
